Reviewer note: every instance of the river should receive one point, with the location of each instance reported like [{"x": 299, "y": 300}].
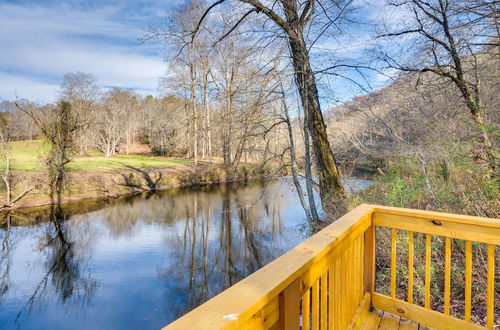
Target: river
[{"x": 142, "y": 262}]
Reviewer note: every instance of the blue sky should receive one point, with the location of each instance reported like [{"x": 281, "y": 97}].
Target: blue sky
[{"x": 42, "y": 40}]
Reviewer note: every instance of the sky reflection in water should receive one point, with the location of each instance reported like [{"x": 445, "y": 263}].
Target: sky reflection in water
[{"x": 143, "y": 262}]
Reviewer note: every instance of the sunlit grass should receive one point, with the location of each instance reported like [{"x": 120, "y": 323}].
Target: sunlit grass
[{"x": 28, "y": 156}]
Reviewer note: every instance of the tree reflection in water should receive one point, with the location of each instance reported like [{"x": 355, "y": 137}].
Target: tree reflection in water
[
  {"x": 143, "y": 260},
  {"x": 5, "y": 256},
  {"x": 216, "y": 258},
  {"x": 65, "y": 277}
]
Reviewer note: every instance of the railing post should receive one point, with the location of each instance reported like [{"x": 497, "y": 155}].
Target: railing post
[
  {"x": 369, "y": 259},
  {"x": 290, "y": 307}
]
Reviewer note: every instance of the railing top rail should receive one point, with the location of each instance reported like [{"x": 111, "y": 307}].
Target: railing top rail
[
  {"x": 236, "y": 305},
  {"x": 239, "y": 302},
  {"x": 439, "y": 216}
]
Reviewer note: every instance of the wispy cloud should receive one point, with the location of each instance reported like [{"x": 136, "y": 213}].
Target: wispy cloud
[{"x": 41, "y": 41}]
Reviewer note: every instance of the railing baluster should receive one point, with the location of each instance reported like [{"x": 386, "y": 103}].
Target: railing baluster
[
  {"x": 410, "y": 267},
  {"x": 350, "y": 286},
  {"x": 369, "y": 260},
  {"x": 468, "y": 280},
  {"x": 323, "y": 301},
  {"x": 315, "y": 305},
  {"x": 331, "y": 296},
  {"x": 393, "y": 262},
  {"x": 428, "y": 271},
  {"x": 289, "y": 307},
  {"x": 337, "y": 293},
  {"x": 359, "y": 268},
  {"x": 490, "y": 302},
  {"x": 306, "y": 310},
  {"x": 343, "y": 291},
  {"x": 447, "y": 275}
]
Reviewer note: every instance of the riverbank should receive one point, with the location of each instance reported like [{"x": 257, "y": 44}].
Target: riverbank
[{"x": 105, "y": 184}]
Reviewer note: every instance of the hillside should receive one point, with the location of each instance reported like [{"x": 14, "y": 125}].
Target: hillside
[{"x": 418, "y": 136}]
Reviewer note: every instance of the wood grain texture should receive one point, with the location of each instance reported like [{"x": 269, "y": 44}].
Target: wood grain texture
[
  {"x": 289, "y": 308},
  {"x": 329, "y": 278},
  {"x": 410, "y": 265},
  {"x": 447, "y": 275},
  {"x": 468, "y": 280},
  {"x": 490, "y": 302},
  {"x": 420, "y": 314},
  {"x": 471, "y": 230},
  {"x": 393, "y": 262},
  {"x": 428, "y": 241}
]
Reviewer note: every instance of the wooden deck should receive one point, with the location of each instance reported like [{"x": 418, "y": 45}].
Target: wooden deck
[
  {"x": 328, "y": 281},
  {"x": 378, "y": 319}
]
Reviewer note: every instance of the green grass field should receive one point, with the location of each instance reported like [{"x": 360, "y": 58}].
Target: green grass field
[{"x": 28, "y": 156}]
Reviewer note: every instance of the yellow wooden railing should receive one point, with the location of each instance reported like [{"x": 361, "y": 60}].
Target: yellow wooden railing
[{"x": 328, "y": 281}]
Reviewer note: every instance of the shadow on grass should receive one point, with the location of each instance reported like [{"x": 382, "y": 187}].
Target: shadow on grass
[{"x": 151, "y": 183}]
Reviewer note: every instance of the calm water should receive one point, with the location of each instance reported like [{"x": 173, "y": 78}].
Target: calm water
[{"x": 144, "y": 261}]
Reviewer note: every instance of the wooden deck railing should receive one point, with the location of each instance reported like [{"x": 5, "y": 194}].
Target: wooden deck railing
[{"x": 328, "y": 281}]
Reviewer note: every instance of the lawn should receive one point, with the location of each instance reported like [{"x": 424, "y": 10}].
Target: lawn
[{"x": 28, "y": 156}]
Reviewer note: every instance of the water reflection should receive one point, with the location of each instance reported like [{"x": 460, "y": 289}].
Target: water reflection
[
  {"x": 141, "y": 262},
  {"x": 65, "y": 277},
  {"x": 5, "y": 256}
]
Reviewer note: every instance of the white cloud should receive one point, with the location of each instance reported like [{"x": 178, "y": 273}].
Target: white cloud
[
  {"x": 12, "y": 87},
  {"x": 39, "y": 44}
]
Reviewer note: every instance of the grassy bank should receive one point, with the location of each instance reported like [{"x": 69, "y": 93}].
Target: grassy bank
[
  {"x": 458, "y": 186},
  {"x": 97, "y": 177},
  {"x": 28, "y": 156}
]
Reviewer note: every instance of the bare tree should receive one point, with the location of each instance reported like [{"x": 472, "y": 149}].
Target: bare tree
[
  {"x": 114, "y": 121},
  {"x": 165, "y": 125},
  {"x": 292, "y": 17},
  {"x": 81, "y": 91},
  {"x": 58, "y": 125},
  {"x": 205, "y": 62},
  {"x": 7, "y": 175},
  {"x": 446, "y": 40},
  {"x": 223, "y": 84}
]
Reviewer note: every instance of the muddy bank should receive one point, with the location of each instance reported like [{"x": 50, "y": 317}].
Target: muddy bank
[{"x": 116, "y": 183}]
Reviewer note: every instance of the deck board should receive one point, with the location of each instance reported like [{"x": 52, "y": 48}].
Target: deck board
[
  {"x": 378, "y": 319},
  {"x": 389, "y": 321},
  {"x": 405, "y": 324},
  {"x": 372, "y": 320}
]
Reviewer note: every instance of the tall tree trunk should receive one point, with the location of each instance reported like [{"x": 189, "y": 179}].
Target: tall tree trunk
[
  {"x": 309, "y": 181},
  {"x": 228, "y": 126},
  {"x": 188, "y": 128},
  {"x": 195, "y": 115},
  {"x": 207, "y": 118},
  {"x": 293, "y": 163},
  {"x": 127, "y": 144},
  {"x": 6, "y": 173},
  {"x": 328, "y": 173}
]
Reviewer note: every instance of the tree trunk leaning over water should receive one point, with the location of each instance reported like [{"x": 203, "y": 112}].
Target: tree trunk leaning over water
[
  {"x": 293, "y": 163},
  {"x": 297, "y": 17},
  {"x": 328, "y": 173}
]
